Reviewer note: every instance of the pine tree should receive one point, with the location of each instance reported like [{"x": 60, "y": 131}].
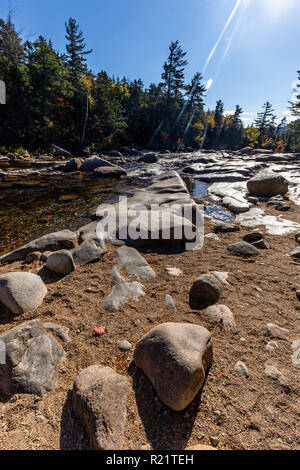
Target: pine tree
[
  {"x": 173, "y": 75},
  {"x": 75, "y": 47},
  {"x": 295, "y": 106},
  {"x": 266, "y": 123}
]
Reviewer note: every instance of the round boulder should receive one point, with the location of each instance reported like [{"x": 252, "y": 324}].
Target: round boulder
[
  {"x": 266, "y": 183},
  {"x": 205, "y": 291},
  {"x": 21, "y": 292},
  {"x": 61, "y": 262}
]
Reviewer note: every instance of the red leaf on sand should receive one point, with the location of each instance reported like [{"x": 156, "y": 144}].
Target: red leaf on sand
[{"x": 99, "y": 331}]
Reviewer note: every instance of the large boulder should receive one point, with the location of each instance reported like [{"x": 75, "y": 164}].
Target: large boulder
[
  {"x": 71, "y": 166},
  {"x": 21, "y": 292},
  {"x": 148, "y": 158},
  {"x": 64, "y": 239},
  {"x": 176, "y": 358},
  {"x": 33, "y": 359},
  {"x": 94, "y": 162},
  {"x": 99, "y": 401},
  {"x": 266, "y": 183},
  {"x": 61, "y": 262},
  {"x": 205, "y": 291}
]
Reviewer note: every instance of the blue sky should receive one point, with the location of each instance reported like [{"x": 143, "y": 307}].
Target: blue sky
[{"x": 256, "y": 59}]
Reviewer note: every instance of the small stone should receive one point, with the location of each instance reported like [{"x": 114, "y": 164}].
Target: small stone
[
  {"x": 273, "y": 373},
  {"x": 242, "y": 369},
  {"x": 32, "y": 257},
  {"x": 276, "y": 331},
  {"x": 212, "y": 236},
  {"x": 271, "y": 346},
  {"x": 170, "y": 302},
  {"x": 262, "y": 244},
  {"x": 146, "y": 447},
  {"x": 295, "y": 253},
  {"x": 298, "y": 294},
  {"x": 124, "y": 346},
  {"x": 221, "y": 276},
  {"x": 45, "y": 256},
  {"x": 200, "y": 447},
  {"x": 217, "y": 414},
  {"x": 214, "y": 441},
  {"x": 243, "y": 340},
  {"x": 283, "y": 207},
  {"x": 253, "y": 237}
]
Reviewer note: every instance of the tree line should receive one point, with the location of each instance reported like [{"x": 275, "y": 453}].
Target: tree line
[{"x": 54, "y": 97}]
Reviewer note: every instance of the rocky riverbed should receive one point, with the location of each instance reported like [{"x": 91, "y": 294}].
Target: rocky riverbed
[{"x": 221, "y": 321}]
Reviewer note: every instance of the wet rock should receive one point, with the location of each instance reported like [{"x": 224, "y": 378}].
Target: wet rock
[
  {"x": 205, "y": 291},
  {"x": 21, "y": 292},
  {"x": 223, "y": 227},
  {"x": 124, "y": 346},
  {"x": 99, "y": 400},
  {"x": 71, "y": 166},
  {"x": 90, "y": 251},
  {"x": 61, "y": 262},
  {"x": 220, "y": 315},
  {"x": 148, "y": 158},
  {"x": 61, "y": 331},
  {"x": 267, "y": 183},
  {"x": 242, "y": 369},
  {"x": 276, "y": 331},
  {"x": 94, "y": 162},
  {"x": 273, "y": 373},
  {"x": 32, "y": 257},
  {"x": 33, "y": 360},
  {"x": 176, "y": 358},
  {"x": 134, "y": 263},
  {"x": 109, "y": 171},
  {"x": 64, "y": 239},
  {"x": 243, "y": 249}
]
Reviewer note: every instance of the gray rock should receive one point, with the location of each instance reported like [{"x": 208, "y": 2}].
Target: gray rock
[
  {"x": 124, "y": 346},
  {"x": 90, "y": 251},
  {"x": 33, "y": 360},
  {"x": 253, "y": 237},
  {"x": 21, "y": 292},
  {"x": 148, "y": 158},
  {"x": 176, "y": 358},
  {"x": 109, "y": 171},
  {"x": 61, "y": 331},
  {"x": 273, "y": 373},
  {"x": 283, "y": 207},
  {"x": 134, "y": 263},
  {"x": 271, "y": 346},
  {"x": 205, "y": 291},
  {"x": 275, "y": 200},
  {"x": 99, "y": 400},
  {"x": 220, "y": 315},
  {"x": 267, "y": 183},
  {"x": 64, "y": 239},
  {"x": 114, "y": 153},
  {"x": 295, "y": 253},
  {"x": 87, "y": 231},
  {"x": 223, "y": 227},
  {"x": 61, "y": 262},
  {"x": 94, "y": 162},
  {"x": 170, "y": 302},
  {"x": 276, "y": 331},
  {"x": 32, "y": 257},
  {"x": 242, "y": 369},
  {"x": 243, "y": 249},
  {"x": 234, "y": 205},
  {"x": 262, "y": 244}
]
